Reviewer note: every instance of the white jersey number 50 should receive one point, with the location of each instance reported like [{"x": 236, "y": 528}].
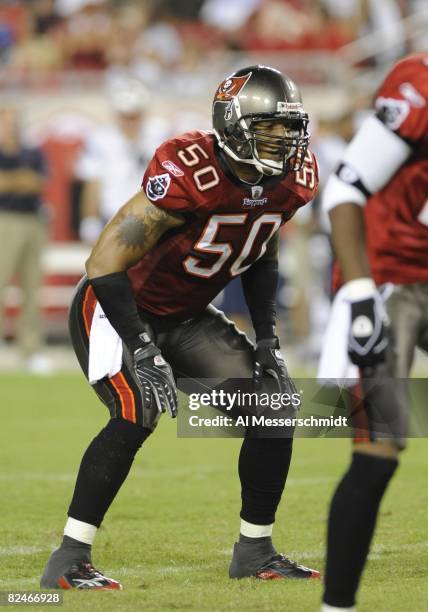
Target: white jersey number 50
[{"x": 208, "y": 244}]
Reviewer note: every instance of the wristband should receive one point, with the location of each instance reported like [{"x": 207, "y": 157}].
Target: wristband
[
  {"x": 115, "y": 295},
  {"x": 359, "y": 289}
]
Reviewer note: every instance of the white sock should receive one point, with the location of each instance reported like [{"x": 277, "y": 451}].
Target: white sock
[
  {"x": 255, "y": 531},
  {"x": 78, "y": 530},
  {"x": 326, "y": 608}
]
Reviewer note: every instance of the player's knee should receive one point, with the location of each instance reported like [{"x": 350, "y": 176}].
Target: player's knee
[
  {"x": 126, "y": 434},
  {"x": 266, "y": 437}
]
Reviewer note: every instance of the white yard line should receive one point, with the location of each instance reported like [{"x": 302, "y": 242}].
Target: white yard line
[
  {"x": 141, "y": 571},
  {"x": 22, "y": 550},
  {"x": 20, "y": 584},
  {"x": 379, "y": 550},
  {"x": 36, "y": 476}
]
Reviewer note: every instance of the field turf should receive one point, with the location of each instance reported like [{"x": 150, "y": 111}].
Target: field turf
[{"x": 168, "y": 536}]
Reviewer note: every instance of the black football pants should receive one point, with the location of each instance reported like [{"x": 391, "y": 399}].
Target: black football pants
[{"x": 208, "y": 346}]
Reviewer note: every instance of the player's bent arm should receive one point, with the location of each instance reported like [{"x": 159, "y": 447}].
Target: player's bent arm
[
  {"x": 132, "y": 232},
  {"x": 259, "y": 284},
  {"x": 348, "y": 236},
  {"x": 371, "y": 159}
]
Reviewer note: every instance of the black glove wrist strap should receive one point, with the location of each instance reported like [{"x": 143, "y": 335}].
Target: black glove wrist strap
[
  {"x": 147, "y": 348},
  {"x": 268, "y": 343}
]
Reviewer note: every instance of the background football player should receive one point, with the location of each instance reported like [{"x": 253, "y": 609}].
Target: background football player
[
  {"x": 377, "y": 202},
  {"x": 211, "y": 209}
]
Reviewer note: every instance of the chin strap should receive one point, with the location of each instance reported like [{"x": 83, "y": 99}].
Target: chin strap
[{"x": 268, "y": 170}]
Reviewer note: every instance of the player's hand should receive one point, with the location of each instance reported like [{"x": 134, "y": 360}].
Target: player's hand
[
  {"x": 367, "y": 339},
  {"x": 155, "y": 377},
  {"x": 268, "y": 360}
]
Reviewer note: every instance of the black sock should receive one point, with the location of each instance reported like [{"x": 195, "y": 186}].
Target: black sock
[
  {"x": 263, "y": 468},
  {"x": 351, "y": 524},
  {"x": 103, "y": 469}
]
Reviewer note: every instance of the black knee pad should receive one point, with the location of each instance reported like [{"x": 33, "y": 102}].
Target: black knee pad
[{"x": 121, "y": 433}]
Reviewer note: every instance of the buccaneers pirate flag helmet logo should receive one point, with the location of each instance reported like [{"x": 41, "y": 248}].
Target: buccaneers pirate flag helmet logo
[{"x": 231, "y": 87}]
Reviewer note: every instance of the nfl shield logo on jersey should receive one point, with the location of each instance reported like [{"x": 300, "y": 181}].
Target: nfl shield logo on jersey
[
  {"x": 157, "y": 186},
  {"x": 256, "y": 199},
  {"x": 256, "y": 191}
]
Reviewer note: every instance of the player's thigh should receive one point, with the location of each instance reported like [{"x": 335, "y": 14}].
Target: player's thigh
[
  {"x": 121, "y": 393},
  {"x": 382, "y": 415},
  {"x": 210, "y": 346},
  {"x": 386, "y": 404},
  {"x": 405, "y": 320},
  {"x": 213, "y": 348}
]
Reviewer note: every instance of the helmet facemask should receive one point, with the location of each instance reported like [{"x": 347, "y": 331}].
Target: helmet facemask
[{"x": 246, "y": 142}]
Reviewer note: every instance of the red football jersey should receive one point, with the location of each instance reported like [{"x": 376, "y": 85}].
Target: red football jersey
[
  {"x": 227, "y": 224},
  {"x": 397, "y": 215}
]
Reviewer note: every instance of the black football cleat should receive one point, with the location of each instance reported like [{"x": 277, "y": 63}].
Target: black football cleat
[
  {"x": 280, "y": 567},
  {"x": 260, "y": 560},
  {"x": 84, "y": 576}
]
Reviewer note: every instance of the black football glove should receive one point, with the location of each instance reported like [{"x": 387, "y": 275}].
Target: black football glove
[
  {"x": 368, "y": 340},
  {"x": 155, "y": 377},
  {"x": 269, "y": 360}
]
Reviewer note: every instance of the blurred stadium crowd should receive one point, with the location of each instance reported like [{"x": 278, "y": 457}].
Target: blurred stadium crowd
[
  {"x": 98, "y": 84},
  {"x": 40, "y": 37}
]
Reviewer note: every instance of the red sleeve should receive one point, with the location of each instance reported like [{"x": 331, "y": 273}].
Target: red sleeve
[
  {"x": 305, "y": 181},
  {"x": 165, "y": 183},
  {"x": 401, "y": 101}
]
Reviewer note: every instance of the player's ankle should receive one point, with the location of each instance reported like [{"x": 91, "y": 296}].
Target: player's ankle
[
  {"x": 78, "y": 532},
  {"x": 251, "y": 531},
  {"x": 70, "y": 545},
  {"x": 256, "y": 541}
]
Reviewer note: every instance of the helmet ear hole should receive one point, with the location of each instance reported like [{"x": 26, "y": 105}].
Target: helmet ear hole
[
  {"x": 234, "y": 131},
  {"x": 237, "y": 131}
]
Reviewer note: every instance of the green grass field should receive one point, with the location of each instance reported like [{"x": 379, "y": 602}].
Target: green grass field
[{"x": 168, "y": 536}]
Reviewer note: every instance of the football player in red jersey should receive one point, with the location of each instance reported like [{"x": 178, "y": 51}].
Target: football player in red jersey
[
  {"x": 211, "y": 208},
  {"x": 378, "y": 207}
]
